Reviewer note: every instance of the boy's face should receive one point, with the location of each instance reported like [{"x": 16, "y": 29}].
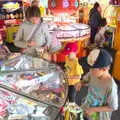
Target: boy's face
[{"x": 97, "y": 72}]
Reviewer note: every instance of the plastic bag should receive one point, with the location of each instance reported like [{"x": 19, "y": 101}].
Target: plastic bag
[{"x": 56, "y": 44}]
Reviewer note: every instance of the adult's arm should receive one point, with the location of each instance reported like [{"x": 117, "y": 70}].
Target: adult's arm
[{"x": 47, "y": 35}]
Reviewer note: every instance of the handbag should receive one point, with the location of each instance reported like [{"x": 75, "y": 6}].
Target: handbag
[{"x": 56, "y": 44}]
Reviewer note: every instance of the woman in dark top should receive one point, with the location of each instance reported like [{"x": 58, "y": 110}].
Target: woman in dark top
[{"x": 94, "y": 20}]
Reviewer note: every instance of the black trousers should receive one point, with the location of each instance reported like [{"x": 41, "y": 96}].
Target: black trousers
[
  {"x": 71, "y": 93},
  {"x": 92, "y": 34}
]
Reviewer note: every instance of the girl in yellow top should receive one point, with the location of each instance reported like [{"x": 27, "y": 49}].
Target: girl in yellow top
[{"x": 73, "y": 69}]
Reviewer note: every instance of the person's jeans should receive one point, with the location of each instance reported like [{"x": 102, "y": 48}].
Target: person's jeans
[{"x": 85, "y": 118}]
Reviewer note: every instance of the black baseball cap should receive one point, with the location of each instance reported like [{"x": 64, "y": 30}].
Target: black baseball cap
[{"x": 99, "y": 58}]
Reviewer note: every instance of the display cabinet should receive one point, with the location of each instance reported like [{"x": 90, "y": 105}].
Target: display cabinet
[{"x": 31, "y": 88}]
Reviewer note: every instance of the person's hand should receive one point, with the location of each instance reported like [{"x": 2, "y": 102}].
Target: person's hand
[
  {"x": 47, "y": 56},
  {"x": 78, "y": 86},
  {"x": 23, "y": 50},
  {"x": 89, "y": 111},
  {"x": 7, "y": 50},
  {"x": 43, "y": 53},
  {"x": 40, "y": 50},
  {"x": 31, "y": 43}
]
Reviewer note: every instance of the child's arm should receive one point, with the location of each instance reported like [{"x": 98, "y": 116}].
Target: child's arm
[
  {"x": 91, "y": 110},
  {"x": 83, "y": 82},
  {"x": 79, "y": 85}
]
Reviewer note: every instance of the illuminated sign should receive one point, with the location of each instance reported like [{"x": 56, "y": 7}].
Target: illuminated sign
[{"x": 11, "y": 6}]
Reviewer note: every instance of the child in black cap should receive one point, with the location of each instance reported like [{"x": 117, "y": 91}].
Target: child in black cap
[{"x": 102, "y": 96}]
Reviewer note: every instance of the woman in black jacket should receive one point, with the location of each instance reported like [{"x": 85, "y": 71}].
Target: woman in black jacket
[{"x": 94, "y": 20}]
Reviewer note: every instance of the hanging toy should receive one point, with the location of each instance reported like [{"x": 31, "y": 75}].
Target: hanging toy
[{"x": 65, "y": 3}]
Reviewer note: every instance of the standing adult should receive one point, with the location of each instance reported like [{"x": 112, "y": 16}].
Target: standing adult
[
  {"x": 94, "y": 20},
  {"x": 32, "y": 33}
]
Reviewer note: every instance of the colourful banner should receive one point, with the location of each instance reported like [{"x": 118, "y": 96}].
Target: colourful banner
[{"x": 63, "y": 6}]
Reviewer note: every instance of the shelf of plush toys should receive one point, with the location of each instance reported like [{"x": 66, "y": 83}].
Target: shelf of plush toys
[{"x": 30, "y": 88}]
